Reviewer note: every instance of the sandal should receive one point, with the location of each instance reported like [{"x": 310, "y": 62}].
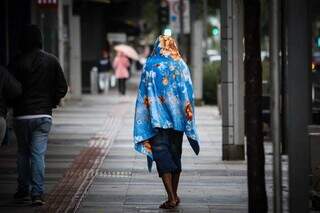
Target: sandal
[
  {"x": 178, "y": 201},
  {"x": 168, "y": 205}
]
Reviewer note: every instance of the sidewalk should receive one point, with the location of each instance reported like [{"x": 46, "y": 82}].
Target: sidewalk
[
  {"x": 91, "y": 159},
  {"x": 73, "y": 127},
  {"x": 207, "y": 184}
]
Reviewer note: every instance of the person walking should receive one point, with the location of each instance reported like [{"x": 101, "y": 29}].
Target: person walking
[
  {"x": 43, "y": 85},
  {"x": 10, "y": 89},
  {"x": 104, "y": 67},
  {"x": 121, "y": 64},
  {"x": 164, "y": 113}
]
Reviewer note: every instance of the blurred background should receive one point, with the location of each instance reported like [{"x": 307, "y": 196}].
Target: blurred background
[{"x": 211, "y": 39}]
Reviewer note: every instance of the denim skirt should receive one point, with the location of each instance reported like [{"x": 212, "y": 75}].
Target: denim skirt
[{"x": 166, "y": 150}]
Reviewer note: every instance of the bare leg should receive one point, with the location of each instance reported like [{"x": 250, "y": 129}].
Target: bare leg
[
  {"x": 167, "y": 182},
  {"x": 175, "y": 184}
]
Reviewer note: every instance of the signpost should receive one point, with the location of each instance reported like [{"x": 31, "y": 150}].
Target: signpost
[{"x": 174, "y": 17}]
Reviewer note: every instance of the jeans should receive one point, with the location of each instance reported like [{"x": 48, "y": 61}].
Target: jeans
[{"x": 32, "y": 136}]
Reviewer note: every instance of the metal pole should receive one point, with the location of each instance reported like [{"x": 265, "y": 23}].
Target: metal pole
[
  {"x": 181, "y": 39},
  {"x": 205, "y": 24},
  {"x": 275, "y": 107},
  {"x": 283, "y": 35}
]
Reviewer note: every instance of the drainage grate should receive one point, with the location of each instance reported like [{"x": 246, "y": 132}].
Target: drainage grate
[{"x": 116, "y": 174}]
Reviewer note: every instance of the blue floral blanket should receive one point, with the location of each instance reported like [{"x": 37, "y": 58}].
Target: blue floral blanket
[{"x": 165, "y": 98}]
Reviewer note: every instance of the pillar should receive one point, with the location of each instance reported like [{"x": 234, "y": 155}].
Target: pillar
[
  {"x": 61, "y": 46},
  {"x": 232, "y": 79},
  {"x": 298, "y": 97},
  {"x": 75, "y": 56},
  {"x": 196, "y": 60}
]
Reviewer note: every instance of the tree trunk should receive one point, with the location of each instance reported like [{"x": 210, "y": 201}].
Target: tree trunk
[{"x": 253, "y": 100}]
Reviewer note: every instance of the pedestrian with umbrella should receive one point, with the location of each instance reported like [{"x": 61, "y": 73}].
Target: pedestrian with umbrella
[{"x": 121, "y": 65}]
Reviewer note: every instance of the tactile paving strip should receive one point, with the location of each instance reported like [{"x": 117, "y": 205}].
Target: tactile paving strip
[{"x": 71, "y": 189}]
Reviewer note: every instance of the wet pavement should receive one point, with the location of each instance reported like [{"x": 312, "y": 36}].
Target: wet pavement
[{"x": 92, "y": 167}]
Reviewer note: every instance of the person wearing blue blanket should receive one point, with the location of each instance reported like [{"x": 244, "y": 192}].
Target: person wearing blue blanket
[{"x": 164, "y": 112}]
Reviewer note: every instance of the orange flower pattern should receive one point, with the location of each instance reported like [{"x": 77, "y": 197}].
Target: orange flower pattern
[
  {"x": 169, "y": 47},
  {"x": 147, "y": 101},
  {"x": 165, "y": 81},
  {"x": 147, "y": 146},
  {"x": 188, "y": 111}
]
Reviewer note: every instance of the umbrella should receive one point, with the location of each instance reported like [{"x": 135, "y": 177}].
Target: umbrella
[{"x": 127, "y": 50}]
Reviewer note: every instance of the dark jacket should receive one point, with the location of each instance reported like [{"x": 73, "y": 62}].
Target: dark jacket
[
  {"x": 10, "y": 89},
  {"x": 43, "y": 83},
  {"x": 104, "y": 65}
]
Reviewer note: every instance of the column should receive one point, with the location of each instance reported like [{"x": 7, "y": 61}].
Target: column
[
  {"x": 61, "y": 46},
  {"x": 196, "y": 60},
  {"x": 232, "y": 79},
  {"x": 298, "y": 97},
  {"x": 75, "y": 56}
]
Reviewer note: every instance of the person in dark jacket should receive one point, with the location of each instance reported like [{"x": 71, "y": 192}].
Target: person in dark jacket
[
  {"x": 43, "y": 85},
  {"x": 104, "y": 68},
  {"x": 10, "y": 89}
]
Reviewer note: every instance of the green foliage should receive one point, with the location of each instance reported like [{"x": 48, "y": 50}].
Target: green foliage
[
  {"x": 211, "y": 78},
  {"x": 266, "y": 77},
  {"x": 265, "y": 70}
]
